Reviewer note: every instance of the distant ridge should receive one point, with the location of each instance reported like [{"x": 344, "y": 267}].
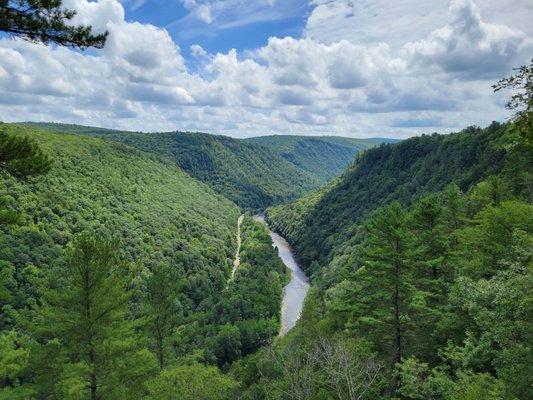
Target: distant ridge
[{"x": 254, "y": 173}]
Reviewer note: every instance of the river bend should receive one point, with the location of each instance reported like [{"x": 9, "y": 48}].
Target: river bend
[{"x": 295, "y": 291}]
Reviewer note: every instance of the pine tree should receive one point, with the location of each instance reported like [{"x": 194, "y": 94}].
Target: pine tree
[
  {"x": 46, "y": 21},
  {"x": 22, "y": 156},
  {"x": 381, "y": 298},
  {"x": 93, "y": 348},
  {"x": 162, "y": 309},
  {"x": 430, "y": 235}
]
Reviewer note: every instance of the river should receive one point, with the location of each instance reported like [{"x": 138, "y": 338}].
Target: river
[{"x": 295, "y": 291}]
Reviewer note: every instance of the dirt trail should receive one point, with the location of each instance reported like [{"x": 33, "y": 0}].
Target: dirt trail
[{"x": 237, "y": 259}]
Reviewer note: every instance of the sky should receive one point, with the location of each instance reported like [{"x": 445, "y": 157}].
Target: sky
[{"x": 359, "y": 68}]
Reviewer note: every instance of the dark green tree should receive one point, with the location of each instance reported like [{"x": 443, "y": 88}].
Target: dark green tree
[
  {"x": 387, "y": 274},
  {"x": 21, "y": 156},
  {"x": 430, "y": 235},
  {"x": 380, "y": 300},
  {"x": 226, "y": 346},
  {"x": 85, "y": 311},
  {"x": 163, "y": 309},
  {"x": 46, "y": 21}
]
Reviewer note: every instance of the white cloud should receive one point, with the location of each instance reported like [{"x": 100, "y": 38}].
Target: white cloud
[
  {"x": 439, "y": 81},
  {"x": 470, "y": 47}
]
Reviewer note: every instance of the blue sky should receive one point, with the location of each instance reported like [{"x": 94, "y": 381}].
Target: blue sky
[
  {"x": 243, "y": 68},
  {"x": 235, "y": 24}
]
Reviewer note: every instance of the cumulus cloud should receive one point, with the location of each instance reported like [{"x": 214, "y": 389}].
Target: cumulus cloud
[
  {"x": 140, "y": 79},
  {"x": 470, "y": 47}
]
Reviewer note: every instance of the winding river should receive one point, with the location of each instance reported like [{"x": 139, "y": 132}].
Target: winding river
[{"x": 295, "y": 291}]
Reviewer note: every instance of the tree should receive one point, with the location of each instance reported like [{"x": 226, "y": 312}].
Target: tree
[
  {"x": 522, "y": 101},
  {"x": 347, "y": 374},
  {"x": 22, "y": 157},
  {"x": 226, "y": 346},
  {"x": 162, "y": 309},
  {"x": 380, "y": 299},
  {"x": 386, "y": 271},
  {"x": 498, "y": 311},
  {"x": 46, "y": 21},
  {"x": 100, "y": 356},
  {"x": 427, "y": 220},
  {"x": 14, "y": 363},
  {"x": 192, "y": 382}
]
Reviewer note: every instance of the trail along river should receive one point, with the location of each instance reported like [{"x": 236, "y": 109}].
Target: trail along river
[{"x": 295, "y": 291}]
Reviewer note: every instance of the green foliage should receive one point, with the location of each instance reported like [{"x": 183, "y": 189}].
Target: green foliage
[
  {"x": 324, "y": 157},
  {"x": 401, "y": 172},
  {"x": 461, "y": 239},
  {"x": 163, "y": 310},
  {"x": 162, "y": 216},
  {"x": 14, "y": 363},
  {"x": 46, "y": 21},
  {"x": 250, "y": 175},
  {"x": 249, "y": 310},
  {"x": 85, "y": 305},
  {"x": 192, "y": 382},
  {"x": 21, "y": 156}
]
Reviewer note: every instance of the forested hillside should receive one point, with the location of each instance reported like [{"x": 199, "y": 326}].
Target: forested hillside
[
  {"x": 250, "y": 175},
  {"x": 422, "y": 278},
  {"x": 324, "y": 157},
  {"x": 403, "y": 171},
  {"x": 115, "y": 274}
]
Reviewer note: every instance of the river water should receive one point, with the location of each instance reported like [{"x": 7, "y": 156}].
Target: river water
[{"x": 295, "y": 291}]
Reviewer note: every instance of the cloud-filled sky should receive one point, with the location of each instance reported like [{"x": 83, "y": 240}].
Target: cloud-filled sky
[{"x": 243, "y": 68}]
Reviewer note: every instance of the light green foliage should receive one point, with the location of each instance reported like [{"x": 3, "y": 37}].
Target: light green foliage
[
  {"x": 499, "y": 310},
  {"x": 192, "y": 382},
  {"x": 14, "y": 363},
  {"x": 160, "y": 213},
  {"x": 490, "y": 240}
]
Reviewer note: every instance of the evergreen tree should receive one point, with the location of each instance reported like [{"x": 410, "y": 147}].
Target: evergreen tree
[
  {"x": 162, "y": 309},
  {"x": 100, "y": 355},
  {"x": 46, "y": 21},
  {"x": 22, "y": 156},
  {"x": 381, "y": 298},
  {"x": 387, "y": 273},
  {"x": 430, "y": 235}
]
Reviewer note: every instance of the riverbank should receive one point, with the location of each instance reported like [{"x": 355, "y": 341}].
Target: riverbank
[{"x": 295, "y": 291}]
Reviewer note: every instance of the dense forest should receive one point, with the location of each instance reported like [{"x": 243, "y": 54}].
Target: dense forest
[
  {"x": 322, "y": 221},
  {"x": 250, "y": 173},
  {"x": 324, "y": 157},
  {"x": 420, "y": 255},
  {"x": 116, "y": 276},
  {"x": 115, "y": 273}
]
